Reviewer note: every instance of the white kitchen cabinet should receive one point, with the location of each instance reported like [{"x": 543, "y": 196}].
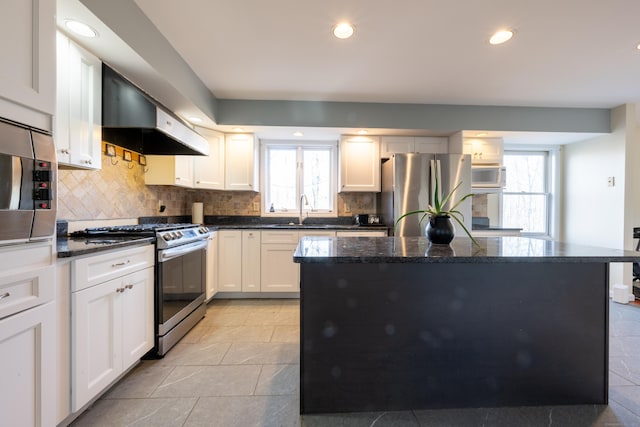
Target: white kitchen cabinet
[
  {"x": 208, "y": 171},
  {"x": 27, "y": 389},
  {"x": 484, "y": 150},
  {"x": 27, "y": 77},
  {"x": 27, "y": 335},
  {"x": 251, "y": 260},
  {"x": 169, "y": 170},
  {"x": 78, "y": 132},
  {"x": 230, "y": 260},
  {"x": 241, "y": 163},
  {"x": 113, "y": 321},
  {"x": 359, "y": 164},
  {"x": 212, "y": 266},
  {"x": 63, "y": 339},
  {"x": 409, "y": 144},
  {"x": 278, "y": 271}
]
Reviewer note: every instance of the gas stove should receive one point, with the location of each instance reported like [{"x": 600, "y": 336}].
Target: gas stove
[{"x": 167, "y": 235}]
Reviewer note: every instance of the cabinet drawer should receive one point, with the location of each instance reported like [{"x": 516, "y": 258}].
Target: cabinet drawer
[
  {"x": 280, "y": 236},
  {"x": 96, "y": 269},
  {"x": 25, "y": 290}
]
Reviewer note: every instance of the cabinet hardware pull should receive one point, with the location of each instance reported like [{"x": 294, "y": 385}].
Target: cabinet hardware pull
[
  {"x": 120, "y": 264},
  {"x": 5, "y": 295},
  {"x": 118, "y": 290},
  {"x": 128, "y": 286}
]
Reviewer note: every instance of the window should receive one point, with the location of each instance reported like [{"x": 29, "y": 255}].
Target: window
[
  {"x": 525, "y": 199},
  {"x": 293, "y": 169}
]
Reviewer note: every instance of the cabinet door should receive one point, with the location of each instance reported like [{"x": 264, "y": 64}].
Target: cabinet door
[
  {"x": 395, "y": 144},
  {"x": 251, "y": 261},
  {"x": 484, "y": 151},
  {"x": 212, "y": 266},
  {"x": 96, "y": 340},
  {"x": 137, "y": 316},
  {"x": 85, "y": 108},
  {"x": 27, "y": 357},
  {"x": 241, "y": 159},
  {"x": 27, "y": 78},
  {"x": 360, "y": 164},
  {"x": 279, "y": 272},
  {"x": 431, "y": 144},
  {"x": 78, "y": 133},
  {"x": 230, "y": 260},
  {"x": 169, "y": 170},
  {"x": 208, "y": 171}
]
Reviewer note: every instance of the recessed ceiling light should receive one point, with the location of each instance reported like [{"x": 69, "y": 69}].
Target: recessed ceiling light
[
  {"x": 343, "y": 30},
  {"x": 194, "y": 119},
  {"x": 238, "y": 130},
  {"x": 501, "y": 36},
  {"x": 363, "y": 132},
  {"x": 298, "y": 133},
  {"x": 80, "y": 28},
  {"x": 638, "y": 46},
  {"x": 482, "y": 134}
]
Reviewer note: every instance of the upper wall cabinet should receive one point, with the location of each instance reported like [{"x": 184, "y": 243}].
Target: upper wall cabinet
[
  {"x": 484, "y": 150},
  {"x": 241, "y": 163},
  {"x": 208, "y": 171},
  {"x": 390, "y": 145},
  {"x": 27, "y": 80},
  {"x": 359, "y": 163},
  {"x": 169, "y": 170},
  {"x": 78, "y": 131}
]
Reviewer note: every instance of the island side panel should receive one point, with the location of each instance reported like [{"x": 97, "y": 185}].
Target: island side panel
[{"x": 437, "y": 335}]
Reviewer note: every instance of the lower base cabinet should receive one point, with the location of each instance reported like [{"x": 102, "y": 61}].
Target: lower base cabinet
[
  {"x": 112, "y": 329},
  {"x": 27, "y": 385}
]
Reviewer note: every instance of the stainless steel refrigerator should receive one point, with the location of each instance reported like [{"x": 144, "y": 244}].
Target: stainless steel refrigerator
[{"x": 408, "y": 183}]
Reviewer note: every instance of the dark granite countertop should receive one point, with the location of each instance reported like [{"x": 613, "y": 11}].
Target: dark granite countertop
[
  {"x": 296, "y": 227},
  {"x": 74, "y": 246},
  {"x": 461, "y": 250}
]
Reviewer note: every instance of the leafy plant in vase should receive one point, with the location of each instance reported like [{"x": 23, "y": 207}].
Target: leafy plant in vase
[{"x": 440, "y": 229}]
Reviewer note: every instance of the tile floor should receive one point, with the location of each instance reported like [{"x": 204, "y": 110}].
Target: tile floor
[{"x": 240, "y": 367}]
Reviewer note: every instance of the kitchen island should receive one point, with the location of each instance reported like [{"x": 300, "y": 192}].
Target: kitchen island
[{"x": 394, "y": 323}]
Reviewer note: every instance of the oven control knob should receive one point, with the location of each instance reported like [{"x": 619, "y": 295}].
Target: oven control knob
[
  {"x": 178, "y": 233},
  {"x": 166, "y": 236}
]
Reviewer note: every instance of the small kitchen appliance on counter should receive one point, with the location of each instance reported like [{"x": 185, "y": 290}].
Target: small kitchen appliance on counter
[{"x": 180, "y": 273}]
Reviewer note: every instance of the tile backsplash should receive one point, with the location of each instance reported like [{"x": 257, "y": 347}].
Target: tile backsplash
[{"x": 118, "y": 191}]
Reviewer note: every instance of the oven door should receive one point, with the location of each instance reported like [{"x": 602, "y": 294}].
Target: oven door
[{"x": 180, "y": 283}]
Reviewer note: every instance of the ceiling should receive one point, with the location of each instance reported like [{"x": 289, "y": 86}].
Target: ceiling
[{"x": 563, "y": 54}]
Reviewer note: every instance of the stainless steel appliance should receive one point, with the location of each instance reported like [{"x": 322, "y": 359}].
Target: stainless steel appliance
[
  {"x": 489, "y": 177},
  {"x": 27, "y": 184},
  {"x": 179, "y": 276},
  {"x": 408, "y": 183}
]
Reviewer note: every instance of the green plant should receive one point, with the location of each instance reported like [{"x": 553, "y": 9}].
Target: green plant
[{"x": 438, "y": 207}]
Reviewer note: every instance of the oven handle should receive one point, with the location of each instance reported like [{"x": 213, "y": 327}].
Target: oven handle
[{"x": 171, "y": 253}]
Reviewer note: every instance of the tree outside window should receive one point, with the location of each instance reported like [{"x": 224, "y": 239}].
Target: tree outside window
[
  {"x": 525, "y": 199},
  {"x": 292, "y": 170}
]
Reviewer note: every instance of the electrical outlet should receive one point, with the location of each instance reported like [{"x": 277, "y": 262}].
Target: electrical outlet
[
  {"x": 159, "y": 204},
  {"x": 347, "y": 208},
  {"x": 611, "y": 181},
  {"x": 256, "y": 206}
]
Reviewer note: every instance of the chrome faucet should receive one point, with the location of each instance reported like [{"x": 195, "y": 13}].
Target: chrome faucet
[{"x": 303, "y": 201}]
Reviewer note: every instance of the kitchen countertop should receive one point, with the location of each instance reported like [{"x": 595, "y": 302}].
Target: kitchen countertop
[
  {"x": 296, "y": 227},
  {"x": 74, "y": 246},
  {"x": 461, "y": 250}
]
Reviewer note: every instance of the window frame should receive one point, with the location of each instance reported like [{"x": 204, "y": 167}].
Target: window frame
[
  {"x": 547, "y": 191},
  {"x": 300, "y": 146}
]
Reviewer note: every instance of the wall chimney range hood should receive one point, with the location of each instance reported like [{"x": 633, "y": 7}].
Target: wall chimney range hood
[{"x": 133, "y": 120}]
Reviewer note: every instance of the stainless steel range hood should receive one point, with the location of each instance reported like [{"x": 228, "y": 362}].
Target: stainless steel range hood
[{"x": 133, "y": 120}]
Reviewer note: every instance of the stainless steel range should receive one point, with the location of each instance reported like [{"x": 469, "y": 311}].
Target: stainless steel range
[{"x": 179, "y": 276}]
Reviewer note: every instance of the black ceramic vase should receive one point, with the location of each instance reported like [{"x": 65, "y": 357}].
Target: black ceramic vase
[{"x": 440, "y": 230}]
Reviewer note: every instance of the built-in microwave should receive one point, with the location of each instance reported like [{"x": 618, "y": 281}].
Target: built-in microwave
[
  {"x": 488, "y": 176},
  {"x": 27, "y": 184}
]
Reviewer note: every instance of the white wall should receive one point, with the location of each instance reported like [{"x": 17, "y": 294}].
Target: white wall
[{"x": 594, "y": 213}]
